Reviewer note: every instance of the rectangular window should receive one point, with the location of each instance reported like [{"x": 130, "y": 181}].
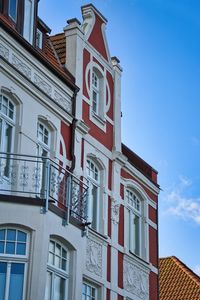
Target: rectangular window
[
  {"x": 28, "y": 20},
  {"x": 89, "y": 292},
  {"x": 134, "y": 233},
  {"x": 39, "y": 39},
  {"x": 12, "y": 9},
  {"x": 11, "y": 280}
]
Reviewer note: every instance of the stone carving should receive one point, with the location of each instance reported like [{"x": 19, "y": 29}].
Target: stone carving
[
  {"x": 21, "y": 66},
  {"x": 4, "y": 52},
  {"x": 63, "y": 102},
  {"x": 136, "y": 281},
  {"x": 94, "y": 257},
  {"x": 115, "y": 211},
  {"x": 43, "y": 85}
]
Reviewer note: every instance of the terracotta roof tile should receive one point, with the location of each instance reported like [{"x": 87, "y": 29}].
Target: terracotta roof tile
[
  {"x": 177, "y": 281},
  {"x": 59, "y": 44}
]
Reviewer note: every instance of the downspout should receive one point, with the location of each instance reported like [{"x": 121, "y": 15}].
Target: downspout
[{"x": 73, "y": 130}]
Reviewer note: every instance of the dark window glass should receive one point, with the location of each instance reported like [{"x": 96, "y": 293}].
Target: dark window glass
[{"x": 12, "y": 9}]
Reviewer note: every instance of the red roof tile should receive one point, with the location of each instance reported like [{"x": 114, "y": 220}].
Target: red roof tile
[
  {"x": 59, "y": 44},
  {"x": 177, "y": 281}
]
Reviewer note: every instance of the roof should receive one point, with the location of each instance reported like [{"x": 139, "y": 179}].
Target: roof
[
  {"x": 59, "y": 43},
  {"x": 177, "y": 281},
  {"x": 48, "y": 55},
  {"x": 140, "y": 164}
]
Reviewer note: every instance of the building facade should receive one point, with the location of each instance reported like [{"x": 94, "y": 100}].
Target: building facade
[{"x": 78, "y": 209}]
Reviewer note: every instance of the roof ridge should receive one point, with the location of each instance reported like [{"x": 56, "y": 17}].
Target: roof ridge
[{"x": 187, "y": 270}]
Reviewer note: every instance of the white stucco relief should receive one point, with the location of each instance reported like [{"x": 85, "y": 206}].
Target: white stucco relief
[
  {"x": 4, "y": 52},
  {"x": 115, "y": 211},
  {"x": 136, "y": 281},
  {"x": 21, "y": 66},
  {"x": 25, "y": 65},
  {"x": 94, "y": 257}
]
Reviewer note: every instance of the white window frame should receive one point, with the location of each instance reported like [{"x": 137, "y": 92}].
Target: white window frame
[
  {"x": 96, "y": 91},
  {"x": 10, "y": 259},
  {"x": 28, "y": 21},
  {"x": 136, "y": 210},
  {"x": 41, "y": 145},
  {"x": 93, "y": 183},
  {"x": 6, "y": 120},
  {"x": 59, "y": 272},
  {"x": 92, "y": 286},
  {"x": 98, "y": 115},
  {"x": 39, "y": 38}
]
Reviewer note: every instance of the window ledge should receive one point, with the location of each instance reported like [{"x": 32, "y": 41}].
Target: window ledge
[
  {"x": 138, "y": 258},
  {"x": 98, "y": 234},
  {"x": 98, "y": 118}
]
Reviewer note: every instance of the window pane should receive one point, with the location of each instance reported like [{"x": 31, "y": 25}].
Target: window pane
[
  {"x": 58, "y": 250},
  {"x": 27, "y": 20},
  {"x": 21, "y": 236},
  {"x": 48, "y": 286},
  {"x": 11, "y": 235},
  {"x": 10, "y": 248},
  {"x": 57, "y": 261},
  {"x": 8, "y": 138},
  {"x": 64, "y": 264},
  {"x": 59, "y": 288},
  {"x": 94, "y": 206},
  {"x": 137, "y": 234},
  {"x": 16, "y": 282},
  {"x": 3, "y": 267},
  {"x": 2, "y": 234},
  {"x": 13, "y": 9},
  {"x": 21, "y": 249},
  {"x": 2, "y": 247}
]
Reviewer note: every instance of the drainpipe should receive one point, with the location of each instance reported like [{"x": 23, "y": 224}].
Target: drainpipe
[{"x": 71, "y": 169}]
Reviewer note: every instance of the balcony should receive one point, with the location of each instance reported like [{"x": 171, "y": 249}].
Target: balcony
[{"x": 40, "y": 178}]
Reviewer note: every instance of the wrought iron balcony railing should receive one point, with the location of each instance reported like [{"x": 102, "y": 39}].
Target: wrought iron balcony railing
[{"x": 40, "y": 177}]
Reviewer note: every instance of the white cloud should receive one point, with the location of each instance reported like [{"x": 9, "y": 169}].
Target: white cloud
[
  {"x": 197, "y": 270},
  {"x": 187, "y": 208}
]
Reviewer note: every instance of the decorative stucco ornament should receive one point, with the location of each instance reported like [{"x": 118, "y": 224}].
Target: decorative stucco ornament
[
  {"x": 136, "y": 281},
  {"x": 94, "y": 257}
]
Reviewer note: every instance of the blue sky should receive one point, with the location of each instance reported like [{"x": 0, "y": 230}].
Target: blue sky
[{"x": 158, "y": 45}]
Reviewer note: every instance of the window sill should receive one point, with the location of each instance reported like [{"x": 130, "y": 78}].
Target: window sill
[
  {"x": 98, "y": 234},
  {"x": 98, "y": 118},
  {"x": 142, "y": 260}
]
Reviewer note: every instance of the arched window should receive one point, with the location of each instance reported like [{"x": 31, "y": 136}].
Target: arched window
[
  {"x": 57, "y": 271},
  {"x": 95, "y": 93},
  {"x": 7, "y": 126},
  {"x": 137, "y": 234},
  {"x": 13, "y": 263}
]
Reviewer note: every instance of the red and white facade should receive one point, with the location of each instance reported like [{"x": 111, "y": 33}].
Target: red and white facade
[{"x": 70, "y": 122}]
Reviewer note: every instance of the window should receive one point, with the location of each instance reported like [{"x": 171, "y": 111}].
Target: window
[
  {"x": 89, "y": 292},
  {"x": 95, "y": 93},
  {"x": 93, "y": 174},
  {"x": 136, "y": 228},
  {"x": 28, "y": 20},
  {"x": 43, "y": 136},
  {"x": 39, "y": 38},
  {"x": 7, "y": 123},
  {"x": 57, "y": 272},
  {"x": 12, "y": 9},
  {"x": 13, "y": 261}
]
